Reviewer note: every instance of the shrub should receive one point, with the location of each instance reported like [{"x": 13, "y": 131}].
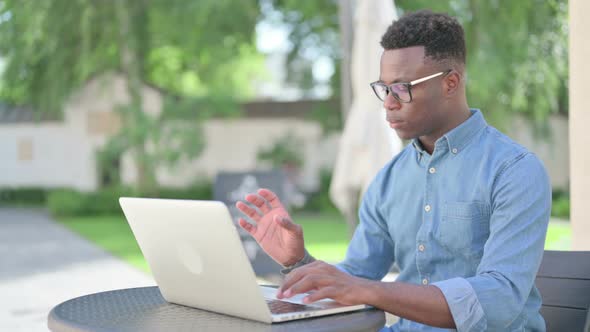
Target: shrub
[
  {"x": 560, "y": 206},
  {"x": 69, "y": 202},
  {"x": 319, "y": 201},
  {"x": 66, "y": 202},
  {"x": 106, "y": 200},
  {"x": 23, "y": 196},
  {"x": 199, "y": 191},
  {"x": 286, "y": 151}
]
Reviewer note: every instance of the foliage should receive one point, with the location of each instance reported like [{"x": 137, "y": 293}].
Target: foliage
[
  {"x": 517, "y": 50},
  {"x": 198, "y": 191},
  {"x": 187, "y": 49},
  {"x": 329, "y": 118},
  {"x": 29, "y": 196},
  {"x": 69, "y": 202},
  {"x": 560, "y": 206},
  {"x": 313, "y": 32},
  {"x": 200, "y": 108},
  {"x": 184, "y": 48},
  {"x": 319, "y": 201},
  {"x": 285, "y": 151},
  {"x": 516, "y": 55}
]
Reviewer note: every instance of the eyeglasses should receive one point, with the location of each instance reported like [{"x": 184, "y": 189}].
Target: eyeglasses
[{"x": 401, "y": 91}]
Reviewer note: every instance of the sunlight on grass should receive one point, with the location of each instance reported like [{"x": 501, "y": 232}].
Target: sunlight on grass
[
  {"x": 559, "y": 236},
  {"x": 326, "y": 236}
]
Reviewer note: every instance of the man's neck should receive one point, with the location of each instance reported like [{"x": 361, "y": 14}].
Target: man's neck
[{"x": 458, "y": 118}]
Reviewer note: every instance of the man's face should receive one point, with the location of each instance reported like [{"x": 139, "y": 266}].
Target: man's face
[{"x": 425, "y": 114}]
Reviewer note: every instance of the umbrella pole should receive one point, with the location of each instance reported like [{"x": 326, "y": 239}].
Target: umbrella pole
[{"x": 352, "y": 221}]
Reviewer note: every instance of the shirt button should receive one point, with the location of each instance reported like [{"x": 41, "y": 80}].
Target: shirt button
[
  {"x": 424, "y": 281},
  {"x": 427, "y": 208},
  {"x": 454, "y": 151},
  {"x": 421, "y": 247},
  {"x": 432, "y": 170}
]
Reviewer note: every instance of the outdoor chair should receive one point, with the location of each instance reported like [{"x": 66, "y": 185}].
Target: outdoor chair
[{"x": 564, "y": 283}]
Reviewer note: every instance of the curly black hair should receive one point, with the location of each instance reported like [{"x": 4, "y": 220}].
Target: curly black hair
[{"x": 441, "y": 35}]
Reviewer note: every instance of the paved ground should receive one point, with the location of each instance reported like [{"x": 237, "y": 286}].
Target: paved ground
[{"x": 43, "y": 264}]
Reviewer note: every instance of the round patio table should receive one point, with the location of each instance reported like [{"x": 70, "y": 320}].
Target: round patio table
[{"x": 144, "y": 309}]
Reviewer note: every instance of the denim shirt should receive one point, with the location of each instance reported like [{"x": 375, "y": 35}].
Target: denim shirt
[{"x": 470, "y": 219}]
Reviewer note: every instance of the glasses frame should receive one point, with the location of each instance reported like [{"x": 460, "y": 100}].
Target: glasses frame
[{"x": 407, "y": 85}]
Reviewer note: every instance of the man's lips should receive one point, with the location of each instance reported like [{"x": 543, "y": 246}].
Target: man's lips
[{"x": 394, "y": 123}]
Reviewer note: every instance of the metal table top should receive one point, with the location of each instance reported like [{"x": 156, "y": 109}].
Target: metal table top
[{"x": 144, "y": 309}]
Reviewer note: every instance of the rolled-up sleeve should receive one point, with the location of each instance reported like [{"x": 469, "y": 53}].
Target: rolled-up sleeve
[
  {"x": 465, "y": 307},
  {"x": 496, "y": 295}
]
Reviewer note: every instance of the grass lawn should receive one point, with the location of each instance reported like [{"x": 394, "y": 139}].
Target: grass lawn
[{"x": 326, "y": 236}]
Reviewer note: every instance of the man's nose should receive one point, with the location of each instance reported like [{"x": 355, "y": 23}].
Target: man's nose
[{"x": 390, "y": 103}]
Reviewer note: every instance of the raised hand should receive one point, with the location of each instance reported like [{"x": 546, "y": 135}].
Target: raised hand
[{"x": 274, "y": 229}]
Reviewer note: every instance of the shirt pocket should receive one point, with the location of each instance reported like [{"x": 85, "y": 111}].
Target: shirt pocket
[{"x": 464, "y": 227}]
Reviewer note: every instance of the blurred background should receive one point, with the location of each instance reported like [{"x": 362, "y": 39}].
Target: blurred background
[{"x": 102, "y": 99}]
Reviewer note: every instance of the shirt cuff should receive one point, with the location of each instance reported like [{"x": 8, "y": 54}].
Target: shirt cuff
[
  {"x": 307, "y": 258},
  {"x": 465, "y": 307}
]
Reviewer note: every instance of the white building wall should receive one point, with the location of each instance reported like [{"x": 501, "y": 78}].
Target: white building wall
[
  {"x": 553, "y": 150},
  {"x": 60, "y": 157},
  {"x": 233, "y": 145},
  {"x": 64, "y": 153}
]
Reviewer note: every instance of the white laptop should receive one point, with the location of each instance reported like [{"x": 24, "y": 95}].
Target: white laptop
[{"x": 197, "y": 260}]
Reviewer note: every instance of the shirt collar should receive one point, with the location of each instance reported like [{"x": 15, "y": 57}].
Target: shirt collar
[
  {"x": 417, "y": 145},
  {"x": 460, "y": 136}
]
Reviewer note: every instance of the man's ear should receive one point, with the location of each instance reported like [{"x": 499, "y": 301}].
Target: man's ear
[{"x": 452, "y": 82}]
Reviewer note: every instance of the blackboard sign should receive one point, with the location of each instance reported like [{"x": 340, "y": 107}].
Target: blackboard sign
[{"x": 230, "y": 188}]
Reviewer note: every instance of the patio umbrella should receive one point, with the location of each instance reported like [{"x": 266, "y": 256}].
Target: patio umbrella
[{"x": 367, "y": 142}]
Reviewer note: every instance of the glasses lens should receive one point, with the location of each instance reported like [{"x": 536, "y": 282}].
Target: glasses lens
[
  {"x": 380, "y": 90},
  {"x": 401, "y": 92}
]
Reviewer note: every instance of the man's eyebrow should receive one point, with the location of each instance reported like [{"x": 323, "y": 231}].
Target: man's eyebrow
[{"x": 397, "y": 80}]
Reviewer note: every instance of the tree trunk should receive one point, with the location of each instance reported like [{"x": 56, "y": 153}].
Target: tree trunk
[
  {"x": 346, "y": 37},
  {"x": 132, "y": 15}
]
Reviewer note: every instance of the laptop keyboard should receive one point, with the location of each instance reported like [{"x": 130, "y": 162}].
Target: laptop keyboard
[{"x": 282, "y": 307}]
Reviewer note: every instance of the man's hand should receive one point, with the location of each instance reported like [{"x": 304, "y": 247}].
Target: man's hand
[
  {"x": 326, "y": 281},
  {"x": 423, "y": 304},
  {"x": 274, "y": 230}
]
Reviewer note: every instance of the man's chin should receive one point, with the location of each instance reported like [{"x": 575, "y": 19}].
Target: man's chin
[{"x": 404, "y": 134}]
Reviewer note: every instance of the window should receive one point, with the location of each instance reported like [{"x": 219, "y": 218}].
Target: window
[{"x": 25, "y": 149}]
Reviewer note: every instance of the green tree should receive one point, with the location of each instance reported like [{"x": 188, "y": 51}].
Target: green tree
[
  {"x": 197, "y": 50},
  {"x": 313, "y": 25},
  {"x": 517, "y": 50},
  {"x": 516, "y": 55}
]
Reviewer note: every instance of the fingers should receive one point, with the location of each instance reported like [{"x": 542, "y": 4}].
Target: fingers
[
  {"x": 259, "y": 202},
  {"x": 306, "y": 284},
  {"x": 270, "y": 197},
  {"x": 247, "y": 226},
  {"x": 294, "y": 277},
  {"x": 287, "y": 223},
  {"x": 290, "y": 279},
  {"x": 322, "y": 293},
  {"x": 301, "y": 285},
  {"x": 249, "y": 211}
]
